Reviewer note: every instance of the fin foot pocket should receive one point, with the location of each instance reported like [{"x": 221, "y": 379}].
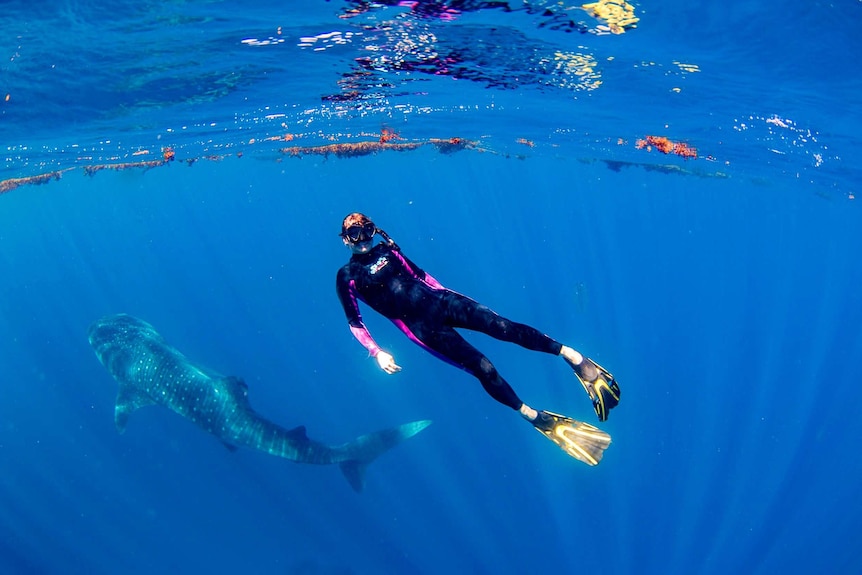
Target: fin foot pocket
[
  {"x": 580, "y": 440},
  {"x": 600, "y": 385}
]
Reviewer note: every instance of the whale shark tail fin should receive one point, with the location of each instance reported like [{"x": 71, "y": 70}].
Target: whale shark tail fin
[
  {"x": 354, "y": 471},
  {"x": 366, "y": 448}
]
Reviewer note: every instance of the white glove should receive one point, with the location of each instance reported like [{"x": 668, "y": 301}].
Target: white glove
[{"x": 387, "y": 362}]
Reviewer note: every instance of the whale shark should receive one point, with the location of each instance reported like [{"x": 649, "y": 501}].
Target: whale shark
[{"x": 151, "y": 372}]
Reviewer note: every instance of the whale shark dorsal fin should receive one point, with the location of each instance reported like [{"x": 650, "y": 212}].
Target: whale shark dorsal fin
[
  {"x": 237, "y": 384},
  {"x": 129, "y": 400},
  {"x": 298, "y": 434}
]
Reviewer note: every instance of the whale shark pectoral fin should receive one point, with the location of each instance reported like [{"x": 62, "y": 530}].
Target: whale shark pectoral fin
[
  {"x": 298, "y": 434},
  {"x": 128, "y": 401},
  {"x": 354, "y": 471},
  {"x": 230, "y": 446}
]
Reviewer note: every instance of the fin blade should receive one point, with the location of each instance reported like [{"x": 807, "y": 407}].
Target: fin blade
[
  {"x": 580, "y": 440},
  {"x": 583, "y": 442}
]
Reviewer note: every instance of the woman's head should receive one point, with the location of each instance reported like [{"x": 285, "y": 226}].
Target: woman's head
[{"x": 357, "y": 232}]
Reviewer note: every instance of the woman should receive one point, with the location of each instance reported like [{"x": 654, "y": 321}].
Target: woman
[{"x": 383, "y": 277}]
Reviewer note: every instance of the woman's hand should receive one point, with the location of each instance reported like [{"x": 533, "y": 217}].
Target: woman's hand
[{"x": 387, "y": 362}]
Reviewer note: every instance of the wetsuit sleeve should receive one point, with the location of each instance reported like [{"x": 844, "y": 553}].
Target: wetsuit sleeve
[
  {"x": 417, "y": 272},
  {"x": 346, "y": 289}
]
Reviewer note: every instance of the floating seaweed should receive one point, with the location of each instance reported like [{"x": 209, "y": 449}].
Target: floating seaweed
[
  {"x": 90, "y": 170},
  {"x": 168, "y": 156},
  {"x": 388, "y": 135},
  {"x": 383, "y": 144},
  {"x": 350, "y": 149},
  {"x": 666, "y": 146},
  {"x": 13, "y": 183}
]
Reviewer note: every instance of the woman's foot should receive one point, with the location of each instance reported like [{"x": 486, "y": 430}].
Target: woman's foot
[
  {"x": 599, "y": 384},
  {"x": 571, "y": 356},
  {"x": 528, "y": 412}
]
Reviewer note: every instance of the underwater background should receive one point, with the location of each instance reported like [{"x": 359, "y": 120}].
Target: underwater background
[{"x": 669, "y": 187}]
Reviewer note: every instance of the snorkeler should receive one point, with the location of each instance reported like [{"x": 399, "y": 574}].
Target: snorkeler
[{"x": 428, "y": 313}]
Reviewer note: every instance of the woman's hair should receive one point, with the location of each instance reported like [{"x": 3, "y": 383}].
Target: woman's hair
[{"x": 354, "y": 219}]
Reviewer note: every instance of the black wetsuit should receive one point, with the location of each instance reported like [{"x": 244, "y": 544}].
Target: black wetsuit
[{"x": 428, "y": 313}]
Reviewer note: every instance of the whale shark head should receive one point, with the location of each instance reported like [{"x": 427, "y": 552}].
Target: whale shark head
[
  {"x": 117, "y": 338},
  {"x": 119, "y": 331}
]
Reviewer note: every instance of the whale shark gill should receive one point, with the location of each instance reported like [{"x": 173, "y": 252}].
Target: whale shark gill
[{"x": 151, "y": 372}]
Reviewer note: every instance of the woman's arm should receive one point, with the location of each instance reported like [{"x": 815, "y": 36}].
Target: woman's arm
[{"x": 346, "y": 290}]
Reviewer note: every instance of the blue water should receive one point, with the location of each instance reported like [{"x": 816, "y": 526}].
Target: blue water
[{"x": 722, "y": 291}]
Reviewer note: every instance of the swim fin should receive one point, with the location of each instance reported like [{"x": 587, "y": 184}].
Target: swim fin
[
  {"x": 580, "y": 440},
  {"x": 599, "y": 385}
]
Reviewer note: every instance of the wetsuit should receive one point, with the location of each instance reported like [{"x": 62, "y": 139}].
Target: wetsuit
[{"x": 427, "y": 312}]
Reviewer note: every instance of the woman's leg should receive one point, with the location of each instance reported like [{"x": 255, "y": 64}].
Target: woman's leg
[
  {"x": 466, "y": 313},
  {"x": 448, "y": 345},
  {"x": 579, "y": 440},
  {"x": 461, "y": 311}
]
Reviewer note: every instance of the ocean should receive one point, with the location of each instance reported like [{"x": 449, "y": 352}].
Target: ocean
[{"x": 670, "y": 188}]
